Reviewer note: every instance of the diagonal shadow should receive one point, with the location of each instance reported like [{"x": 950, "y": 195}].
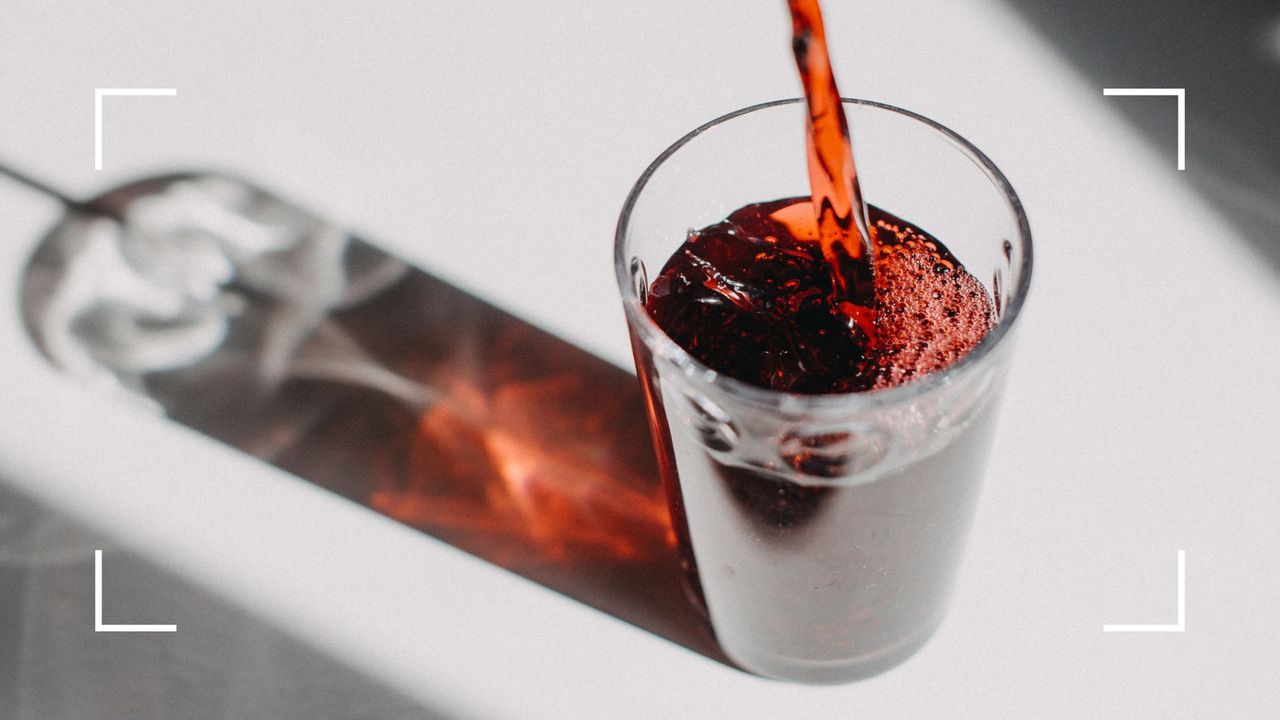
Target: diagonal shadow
[
  {"x": 1226, "y": 55},
  {"x": 223, "y": 663},
  {"x": 417, "y": 400},
  {"x": 538, "y": 459}
]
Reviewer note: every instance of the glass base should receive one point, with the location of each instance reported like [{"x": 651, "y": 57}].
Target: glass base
[{"x": 831, "y": 672}]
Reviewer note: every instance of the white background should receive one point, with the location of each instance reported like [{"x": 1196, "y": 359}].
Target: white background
[{"x": 493, "y": 144}]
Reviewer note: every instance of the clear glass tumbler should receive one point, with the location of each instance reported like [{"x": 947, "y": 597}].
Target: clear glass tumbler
[{"x": 823, "y": 532}]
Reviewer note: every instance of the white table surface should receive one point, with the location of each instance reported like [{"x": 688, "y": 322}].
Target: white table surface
[{"x": 493, "y": 143}]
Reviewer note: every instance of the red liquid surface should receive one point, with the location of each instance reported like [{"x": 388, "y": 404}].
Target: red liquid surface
[{"x": 752, "y": 297}]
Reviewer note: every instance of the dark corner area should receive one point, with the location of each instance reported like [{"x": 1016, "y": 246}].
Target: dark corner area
[{"x": 1226, "y": 55}]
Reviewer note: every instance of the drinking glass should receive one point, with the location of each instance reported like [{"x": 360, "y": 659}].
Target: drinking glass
[{"x": 823, "y": 532}]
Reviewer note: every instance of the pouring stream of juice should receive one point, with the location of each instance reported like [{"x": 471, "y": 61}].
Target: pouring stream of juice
[{"x": 841, "y": 214}]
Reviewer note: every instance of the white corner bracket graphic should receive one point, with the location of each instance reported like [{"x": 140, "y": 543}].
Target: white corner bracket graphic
[
  {"x": 1181, "y": 626},
  {"x": 98, "y": 626},
  {"x": 98, "y": 94},
  {"x": 1181, "y": 94}
]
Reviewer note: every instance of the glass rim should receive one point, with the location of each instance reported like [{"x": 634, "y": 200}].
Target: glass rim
[{"x": 653, "y": 335}]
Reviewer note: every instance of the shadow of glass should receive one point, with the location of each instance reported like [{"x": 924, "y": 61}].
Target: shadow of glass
[
  {"x": 256, "y": 323},
  {"x": 535, "y": 455}
]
